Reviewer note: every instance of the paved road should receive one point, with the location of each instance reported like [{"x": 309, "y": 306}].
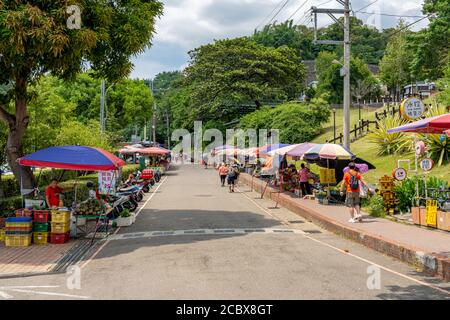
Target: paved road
[{"x": 218, "y": 245}]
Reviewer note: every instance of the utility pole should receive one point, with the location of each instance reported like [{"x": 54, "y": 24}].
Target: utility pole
[
  {"x": 345, "y": 71},
  {"x": 168, "y": 129},
  {"x": 154, "y": 116}
]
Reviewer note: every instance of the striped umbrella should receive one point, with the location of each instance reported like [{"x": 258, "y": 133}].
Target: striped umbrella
[{"x": 328, "y": 151}]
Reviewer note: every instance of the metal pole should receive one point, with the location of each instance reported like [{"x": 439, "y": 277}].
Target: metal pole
[
  {"x": 102, "y": 106},
  {"x": 347, "y": 75},
  {"x": 334, "y": 125},
  {"x": 154, "y": 116},
  {"x": 168, "y": 130}
]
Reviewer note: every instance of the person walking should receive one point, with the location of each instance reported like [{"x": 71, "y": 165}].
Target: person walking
[
  {"x": 231, "y": 177},
  {"x": 303, "y": 177},
  {"x": 223, "y": 172},
  {"x": 351, "y": 184}
]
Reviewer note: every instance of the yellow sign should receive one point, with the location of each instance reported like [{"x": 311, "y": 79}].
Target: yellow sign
[
  {"x": 431, "y": 217},
  {"x": 412, "y": 108},
  {"x": 327, "y": 176}
]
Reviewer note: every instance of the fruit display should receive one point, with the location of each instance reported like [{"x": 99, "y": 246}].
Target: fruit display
[{"x": 89, "y": 207}]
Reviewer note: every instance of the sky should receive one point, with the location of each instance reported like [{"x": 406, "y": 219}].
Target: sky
[{"x": 188, "y": 24}]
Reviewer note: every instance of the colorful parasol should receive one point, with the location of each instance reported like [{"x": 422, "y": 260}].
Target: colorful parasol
[
  {"x": 363, "y": 168},
  {"x": 433, "y": 125},
  {"x": 328, "y": 151},
  {"x": 73, "y": 158},
  {"x": 296, "y": 150}
]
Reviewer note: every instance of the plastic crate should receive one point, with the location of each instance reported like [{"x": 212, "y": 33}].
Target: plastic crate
[
  {"x": 59, "y": 238},
  {"x": 15, "y": 232},
  {"x": 2, "y": 235},
  {"x": 57, "y": 227},
  {"x": 24, "y": 213},
  {"x": 147, "y": 174},
  {"x": 18, "y": 241},
  {"x": 40, "y": 237},
  {"x": 60, "y": 216},
  {"x": 19, "y": 222},
  {"x": 29, "y": 229},
  {"x": 41, "y": 215},
  {"x": 41, "y": 226}
]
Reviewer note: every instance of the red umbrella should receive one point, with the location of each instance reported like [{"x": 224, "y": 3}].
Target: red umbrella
[
  {"x": 153, "y": 151},
  {"x": 433, "y": 125}
]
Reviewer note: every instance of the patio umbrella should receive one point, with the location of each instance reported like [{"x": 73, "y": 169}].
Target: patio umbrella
[
  {"x": 433, "y": 125},
  {"x": 328, "y": 151},
  {"x": 156, "y": 151},
  {"x": 363, "y": 168},
  {"x": 73, "y": 158},
  {"x": 271, "y": 147},
  {"x": 296, "y": 150}
]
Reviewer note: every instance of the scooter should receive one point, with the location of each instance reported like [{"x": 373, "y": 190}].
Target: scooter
[
  {"x": 120, "y": 203},
  {"x": 133, "y": 191}
]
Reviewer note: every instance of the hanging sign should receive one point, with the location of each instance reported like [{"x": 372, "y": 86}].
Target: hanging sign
[
  {"x": 399, "y": 174},
  {"x": 412, "y": 108},
  {"x": 107, "y": 182},
  {"x": 427, "y": 164},
  {"x": 420, "y": 148}
]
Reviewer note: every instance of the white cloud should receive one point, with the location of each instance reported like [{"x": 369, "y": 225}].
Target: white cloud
[{"x": 187, "y": 24}]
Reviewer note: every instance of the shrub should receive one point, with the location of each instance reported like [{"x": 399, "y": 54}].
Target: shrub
[
  {"x": 375, "y": 206},
  {"x": 390, "y": 143}
]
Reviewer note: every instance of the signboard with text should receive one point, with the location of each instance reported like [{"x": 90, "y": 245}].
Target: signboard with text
[
  {"x": 412, "y": 108},
  {"x": 107, "y": 182}
]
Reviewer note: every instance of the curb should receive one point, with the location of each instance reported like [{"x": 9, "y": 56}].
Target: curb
[{"x": 433, "y": 264}]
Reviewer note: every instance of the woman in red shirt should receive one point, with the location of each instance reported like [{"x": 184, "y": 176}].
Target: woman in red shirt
[{"x": 52, "y": 193}]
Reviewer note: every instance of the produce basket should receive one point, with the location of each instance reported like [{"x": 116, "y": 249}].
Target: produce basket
[
  {"x": 41, "y": 215},
  {"x": 15, "y": 232},
  {"x": 40, "y": 237},
  {"x": 24, "y": 213},
  {"x": 60, "y": 227},
  {"x": 60, "y": 216},
  {"x": 59, "y": 238},
  {"x": 90, "y": 207},
  {"x": 18, "y": 241},
  {"x": 40, "y": 226}
]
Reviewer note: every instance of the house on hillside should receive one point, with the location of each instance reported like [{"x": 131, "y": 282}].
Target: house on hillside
[{"x": 422, "y": 89}]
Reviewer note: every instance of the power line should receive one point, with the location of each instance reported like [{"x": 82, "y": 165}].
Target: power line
[
  {"x": 366, "y": 6},
  {"x": 278, "y": 12},
  {"x": 298, "y": 9},
  {"x": 407, "y": 26},
  {"x": 390, "y": 15},
  {"x": 271, "y": 12}
]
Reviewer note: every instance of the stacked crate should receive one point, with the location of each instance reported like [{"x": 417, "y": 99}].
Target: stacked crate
[
  {"x": 60, "y": 226},
  {"x": 18, "y": 231},
  {"x": 40, "y": 226}
]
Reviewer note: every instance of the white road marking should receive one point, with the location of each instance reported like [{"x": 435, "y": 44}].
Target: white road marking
[
  {"x": 351, "y": 254},
  {"x": 200, "y": 232},
  {"x": 26, "y": 289},
  {"x": 118, "y": 229}
]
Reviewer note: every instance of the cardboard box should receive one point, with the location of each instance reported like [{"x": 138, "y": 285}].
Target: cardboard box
[
  {"x": 415, "y": 215},
  {"x": 443, "y": 220},
  {"x": 423, "y": 216}
]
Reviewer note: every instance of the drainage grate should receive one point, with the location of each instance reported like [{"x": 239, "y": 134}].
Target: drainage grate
[{"x": 73, "y": 256}]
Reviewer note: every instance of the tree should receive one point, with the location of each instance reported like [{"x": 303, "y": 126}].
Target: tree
[
  {"x": 395, "y": 65},
  {"x": 298, "y": 37},
  {"x": 431, "y": 45},
  {"x": 331, "y": 82},
  {"x": 230, "y": 72},
  {"x": 35, "y": 39}
]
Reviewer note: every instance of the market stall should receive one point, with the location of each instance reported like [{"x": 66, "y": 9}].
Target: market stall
[
  {"x": 54, "y": 223},
  {"x": 155, "y": 158}
]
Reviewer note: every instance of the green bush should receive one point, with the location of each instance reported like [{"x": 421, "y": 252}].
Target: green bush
[
  {"x": 390, "y": 143},
  {"x": 375, "y": 206}
]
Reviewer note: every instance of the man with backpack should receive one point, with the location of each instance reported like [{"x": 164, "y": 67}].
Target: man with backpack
[
  {"x": 232, "y": 176},
  {"x": 351, "y": 185}
]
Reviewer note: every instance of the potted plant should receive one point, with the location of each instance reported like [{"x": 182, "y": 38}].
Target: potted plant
[
  {"x": 320, "y": 196},
  {"x": 126, "y": 219}
]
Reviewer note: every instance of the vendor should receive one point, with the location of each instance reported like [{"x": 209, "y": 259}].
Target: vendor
[{"x": 52, "y": 194}]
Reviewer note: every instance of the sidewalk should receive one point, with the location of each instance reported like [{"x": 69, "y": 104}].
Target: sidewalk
[
  {"x": 427, "y": 249},
  {"x": 32, "y": 259}
]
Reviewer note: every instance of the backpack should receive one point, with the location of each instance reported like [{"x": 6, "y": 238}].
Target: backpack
[
  {"x": 231, "y": 173},
  {"x": 354, "y": 182}
]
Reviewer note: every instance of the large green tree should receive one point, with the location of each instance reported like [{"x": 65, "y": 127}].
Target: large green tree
[
  {"x": 395, "y": 66},
  {"x": 229, "y": 72},
  {"x": 431, "y": 45},
  {"x": 39, "y": 37}
]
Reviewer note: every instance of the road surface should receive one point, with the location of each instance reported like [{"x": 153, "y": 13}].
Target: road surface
[{"x": 214, "y": 244}]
